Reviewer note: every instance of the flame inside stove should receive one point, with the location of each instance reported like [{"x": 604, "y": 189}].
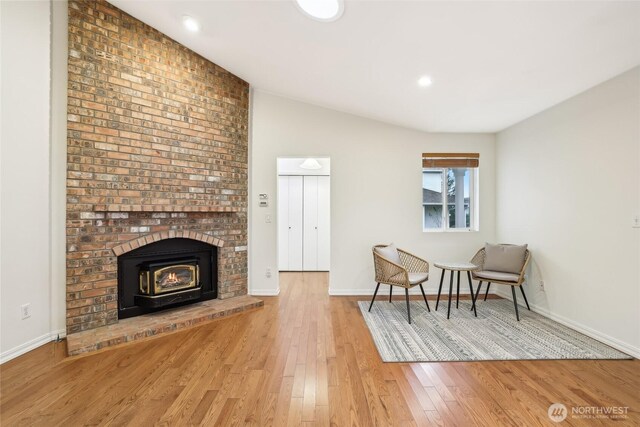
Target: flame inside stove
[{"x": 175, "y": 277}]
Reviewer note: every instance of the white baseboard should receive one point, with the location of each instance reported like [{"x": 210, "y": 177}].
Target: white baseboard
[
  {"x": 590, "y": 332},
  {"x": 31, "y": 345},
  {"x": 265, "y": 292}
]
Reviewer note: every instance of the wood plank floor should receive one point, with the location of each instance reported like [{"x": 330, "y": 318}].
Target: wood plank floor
[{"x": 304, "y": 359}]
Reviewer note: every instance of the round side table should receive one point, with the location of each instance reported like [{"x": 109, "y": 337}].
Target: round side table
[{"x": 452, "y": 267}]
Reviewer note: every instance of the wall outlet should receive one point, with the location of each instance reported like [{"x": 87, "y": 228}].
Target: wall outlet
[
  {"x": 268, "y": 272},
  {"x": 25, "y": 309}
]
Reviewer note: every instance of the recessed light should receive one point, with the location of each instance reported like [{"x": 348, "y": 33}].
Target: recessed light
[
  {"x": 425, "y": 81},
  {"x": 322, "y": 10},
  {"x": 190, "y": 23}
]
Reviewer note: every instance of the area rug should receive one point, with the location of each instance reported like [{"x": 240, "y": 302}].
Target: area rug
[{"x": 493, "y": 335}]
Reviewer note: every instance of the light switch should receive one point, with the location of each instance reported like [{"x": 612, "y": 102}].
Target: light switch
[
  {"x": 636, "y": 221},
  {"x": 267, "y": 218}
]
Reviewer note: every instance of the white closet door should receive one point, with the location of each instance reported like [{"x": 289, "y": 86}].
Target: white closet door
[
  {"x": 295, "y": 223},
  {"x": 283, "y": 223},
  {"x": 310, "y": 245},
  {"x": 324, "y": 230},
  {"x": 290, "y": 223}
]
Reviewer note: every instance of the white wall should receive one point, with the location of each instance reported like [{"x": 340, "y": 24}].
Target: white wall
[
  {"x": 376, "y": 190},
  {"x": 568, "y": 183},
  {"x": 33, "y": 165},
  {"x": 58, "y": 183},
  {"x": 24, "y": 278}
]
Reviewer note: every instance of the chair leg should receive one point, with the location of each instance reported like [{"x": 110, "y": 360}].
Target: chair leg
[
  {"x": 515, "y": 302},
  {"x": 439, "y": 290},
  {"x": 475, "y": 298},
  {"x": 374, "y": 296},
  {"x": 390, "y": 292},
  {"x": 525, "y": 298},
  {"x": 458, "y": 290},
  {"x": 487, "y": 293},
  {"x": 425, "y": 297},
  {"x": 406, "y": 293},
  {"x": 450, "y": 288}
]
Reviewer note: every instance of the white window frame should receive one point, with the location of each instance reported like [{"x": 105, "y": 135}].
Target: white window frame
[{"x": 474, "y": 193}]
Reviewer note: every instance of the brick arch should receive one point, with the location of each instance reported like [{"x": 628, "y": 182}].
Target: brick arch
[{"x": 162, "y": 235}]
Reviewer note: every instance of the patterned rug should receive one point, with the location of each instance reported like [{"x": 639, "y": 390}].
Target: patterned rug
[{"x": 493, "y": 335}]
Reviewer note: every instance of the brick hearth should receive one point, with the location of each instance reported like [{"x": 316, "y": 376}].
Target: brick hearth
[
  {"x": 157, "y": 148},
  {"x": 150, "y": 325}
]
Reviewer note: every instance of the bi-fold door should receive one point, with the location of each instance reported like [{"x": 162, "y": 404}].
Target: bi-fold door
[{"x": 303, "y": 220}]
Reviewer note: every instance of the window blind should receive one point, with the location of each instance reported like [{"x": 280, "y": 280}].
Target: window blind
[{"x": 450, "y": 160}]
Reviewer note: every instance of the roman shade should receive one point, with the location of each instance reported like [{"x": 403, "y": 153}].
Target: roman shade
[{"x": 450, "y": 160}]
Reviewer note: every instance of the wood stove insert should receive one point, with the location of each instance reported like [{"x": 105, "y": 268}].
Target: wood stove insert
[{"x": 166, "y": 274}]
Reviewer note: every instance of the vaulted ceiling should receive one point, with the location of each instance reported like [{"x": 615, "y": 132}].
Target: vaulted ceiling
[{"x": 492, "y": 63}]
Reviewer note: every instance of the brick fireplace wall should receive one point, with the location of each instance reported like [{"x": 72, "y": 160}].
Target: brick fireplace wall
[{"x": 157, "y": 144}]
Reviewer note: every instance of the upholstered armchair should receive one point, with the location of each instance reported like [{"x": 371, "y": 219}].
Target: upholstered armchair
[
  {"x": 503, "y": 265},
  {"x": 395, "y": 267}
]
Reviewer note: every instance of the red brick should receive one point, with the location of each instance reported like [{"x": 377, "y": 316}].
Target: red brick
[{"x": 139, "y": 151}]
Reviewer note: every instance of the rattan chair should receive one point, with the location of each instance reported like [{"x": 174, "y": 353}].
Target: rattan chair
[
  {"x": 500, "y": 278},
  {"x": 406, "y": 271}
]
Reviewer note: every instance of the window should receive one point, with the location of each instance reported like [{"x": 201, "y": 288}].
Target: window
[{"x": 449, "y": 192}]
